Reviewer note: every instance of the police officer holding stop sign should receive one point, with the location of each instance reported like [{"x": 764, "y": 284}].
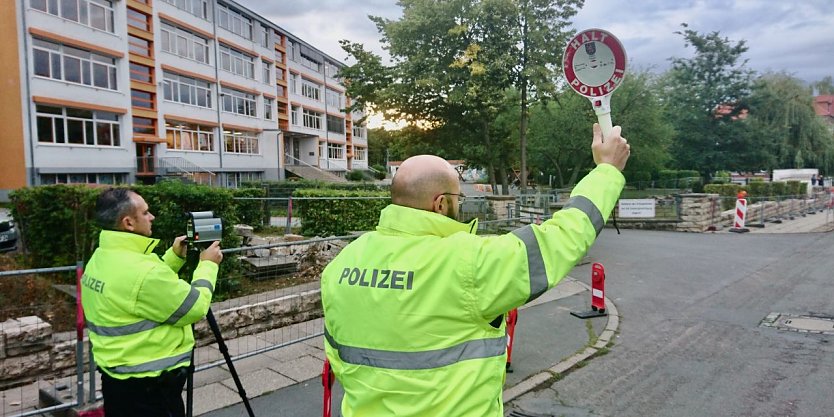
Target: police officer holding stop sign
[
  {"x": 139, "y": 313},
  {"x": 413, "y": 311}
]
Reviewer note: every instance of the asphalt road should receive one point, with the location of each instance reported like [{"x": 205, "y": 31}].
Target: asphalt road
[{"x": 690, "y": 341}]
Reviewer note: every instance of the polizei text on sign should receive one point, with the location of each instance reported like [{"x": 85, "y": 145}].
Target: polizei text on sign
[{"x": 594, "y": 63}]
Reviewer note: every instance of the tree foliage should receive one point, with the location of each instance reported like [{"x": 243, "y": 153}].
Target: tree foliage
[{"x": 706, "y": 95}]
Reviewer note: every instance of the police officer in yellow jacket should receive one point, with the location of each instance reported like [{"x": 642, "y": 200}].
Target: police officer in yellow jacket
[
  {"x": 413, "y": 311},
  {"x": 139, "y": 313}
]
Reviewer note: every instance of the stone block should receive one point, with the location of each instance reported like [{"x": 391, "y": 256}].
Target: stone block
[
  {"x": 14, "y": 367},
  {"x": 244, "y": 230},
  {"x": 26, "y": 335}
]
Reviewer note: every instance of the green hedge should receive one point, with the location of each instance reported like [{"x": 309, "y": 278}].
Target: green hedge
[
  {"x": 332, "y": 216},
  {"x": 756, "y": 190},
  {"x": 58, "y": 227},
  {"x": 669, "y": 178}
]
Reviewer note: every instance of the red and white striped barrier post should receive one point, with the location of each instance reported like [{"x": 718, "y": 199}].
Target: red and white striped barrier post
[
  {"x": 512, "y": 320},
  {"x": 741, "y": 213},
  {"x": 598, "y": 287}
]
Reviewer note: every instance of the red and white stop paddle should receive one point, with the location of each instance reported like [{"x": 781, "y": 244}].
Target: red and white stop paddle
[{"x": 594, "y": 64}]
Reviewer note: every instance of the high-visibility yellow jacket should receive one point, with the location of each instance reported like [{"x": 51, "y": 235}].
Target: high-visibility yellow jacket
[
  {"x": 137, "y": 309},
  {"x": 408, "y": 307}
]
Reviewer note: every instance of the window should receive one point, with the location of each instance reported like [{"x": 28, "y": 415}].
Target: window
[
  {"x": 331, "y": 70},
  {"x": 279, "y": 56},
  {"x": 139, "y": 46},
  {"x": 234, "y": 21},
  {"x": 144, "y": 126},
  {"x": 184, "y": 43},
  {"x": 97, "y": 14},
  {"x": 268, "y": 105},
  {"x": 189, "y": 137},
  {"x": 265, "y": 37},
  {"x": 143, "y": 73},
  {"x": 279, "y": 73},
  {"x": 312, "y": 119},
  {"x": 282, "y": 108},
  {"x": 236, "y": 141},
  {"x": 280, "y": 91},
  {"x": 137, "y": 19},
  {"x": 310, "y": 90},
  {"x": 294, "y": 115},
  {"x": 360, "y": 154},
  {"x": 335, "y": 151},
  {"x": 186, "y": 90},
  {"x": 310, "y": 63},
  {"x": 358, "y": 132},
  {"x": 334, "y": 99},
  {"x": 267, "y": 70},
  {"x": 237, "y": 62},
  {"x": 64, "y": 125},
  {"x": 236, "y": 179},
  {"x": 199, "y": 8},
  {"x": 61, "y": 62},
  {"x": 83, "y": 178},
  {"x": 142, "y": 99},
  {"x": 295, "y": 83},
  {"x": 335, "y": 124},
  {"x": 238, "y": 102}
]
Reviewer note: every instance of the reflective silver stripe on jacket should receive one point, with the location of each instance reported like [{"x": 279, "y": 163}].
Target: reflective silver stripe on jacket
[
  {"x": 590, "y": 210},
  {"x": 535, "y": 262},
  {"x": 157, "y": 365},
  {"x": 428, "y": 359},
  {"x": 203, "y": 283},
  {"x": 185, "y": 307},
  {"x": 125, "y": 330}
]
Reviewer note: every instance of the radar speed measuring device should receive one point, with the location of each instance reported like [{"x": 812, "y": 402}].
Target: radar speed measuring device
[{"x": 594, "y": 64}]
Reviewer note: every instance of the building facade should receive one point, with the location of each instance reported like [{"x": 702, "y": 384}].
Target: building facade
[{"x": 125, "y": 91}]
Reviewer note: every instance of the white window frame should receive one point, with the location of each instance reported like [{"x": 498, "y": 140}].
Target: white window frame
[
  {"x": 199, "y": 8},
  {"x": 176, "y": 87},
  {"x": 99, "y": 120},
  {"x": 238, "y": 102},
  {"x": 360, "y": 154},
  {"x": 183, "y": 43},
  {"x": 311, "y": 119},
  {"x": 234, "y": 21},
  {"x": 295, "y": 113},
  {"x": 335, "y": 151},
  {"x": 237, "y": 62},
  {"x": 60, "y": 57},
  {"x": 90, "y": 178},
  {"x": 99, "y": 8},
  {"x": 240, "y": 142},
  {"x": 266, "y": 72},
  {"x": 310, "y": 90},
  {"x": 334, "y": 99},
  {"x": 269, "y": 104},
  {"x": 189, "y": 137}
]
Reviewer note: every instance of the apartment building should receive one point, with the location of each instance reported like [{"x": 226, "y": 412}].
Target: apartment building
[{"x": 126, "y": 91}]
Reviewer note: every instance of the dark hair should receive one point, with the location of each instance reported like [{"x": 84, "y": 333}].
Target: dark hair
[{"x": 112, "y": 206}]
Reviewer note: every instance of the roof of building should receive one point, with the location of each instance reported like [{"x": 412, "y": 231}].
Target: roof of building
[{"x": 824, "y": 105}]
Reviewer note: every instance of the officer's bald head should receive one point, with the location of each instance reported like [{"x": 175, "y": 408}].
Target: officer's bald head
[{"x": 421, "y": 179}]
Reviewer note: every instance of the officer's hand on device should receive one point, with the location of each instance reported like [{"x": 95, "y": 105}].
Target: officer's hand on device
[
  {"x": 615, "y": 150},
  {"x": 180, "y": 246},
  {"x": 212, "y": 253}
]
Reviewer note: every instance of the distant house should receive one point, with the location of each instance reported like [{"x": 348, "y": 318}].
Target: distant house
[{"x": 824, "y": 107}]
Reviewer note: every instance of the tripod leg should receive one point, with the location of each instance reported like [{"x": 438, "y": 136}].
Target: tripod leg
[
  {"x": 189, "y": 387},
  {"x": 225, "y": 351}
]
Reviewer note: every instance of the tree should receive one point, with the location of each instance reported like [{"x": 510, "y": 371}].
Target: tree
[
  {"x": 824, "y": 86},
  {"x": 784, "y": 124},
  {"x": 706, "y": 101},
  {"x": 560, "y": 131}
]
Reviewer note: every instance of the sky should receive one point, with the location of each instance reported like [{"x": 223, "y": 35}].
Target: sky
[{"x": 794, "y": 36}]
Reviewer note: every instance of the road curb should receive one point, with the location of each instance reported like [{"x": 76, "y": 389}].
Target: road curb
[{"x": 570, "y": 362}]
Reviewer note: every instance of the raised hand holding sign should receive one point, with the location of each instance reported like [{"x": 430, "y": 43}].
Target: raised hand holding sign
[{"x": 594, "y": 65}]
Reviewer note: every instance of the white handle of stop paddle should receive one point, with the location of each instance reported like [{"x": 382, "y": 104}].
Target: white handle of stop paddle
[
  {"x": 602, "y": 108},
  {"x": 605, "y": 124}
]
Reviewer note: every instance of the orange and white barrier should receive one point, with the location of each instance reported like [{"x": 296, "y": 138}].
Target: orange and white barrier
[{"x": 741, "y": 213}]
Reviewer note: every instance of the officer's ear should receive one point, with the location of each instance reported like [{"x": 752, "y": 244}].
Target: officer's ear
[
  {"x": 127, "y": 224},
  {"x": 439, "y": 204}
]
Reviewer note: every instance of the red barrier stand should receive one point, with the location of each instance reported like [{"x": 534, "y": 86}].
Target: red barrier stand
[
  {"x": 597, "y": 294},
  {"x": 327, "y": 379},
  {"x": 741, "y": 213},
  {"x": 512, "y": 319}
]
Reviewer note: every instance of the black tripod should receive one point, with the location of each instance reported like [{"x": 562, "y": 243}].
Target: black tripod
[{"x": 191, "y": 261}]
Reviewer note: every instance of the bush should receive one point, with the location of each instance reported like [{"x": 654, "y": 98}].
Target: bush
[
  {"x": 355, "y": 175},
  {"x": 380, "y": 172},
  {"x": 58, "y": 227},
  {"x": 643, "y": 179},
  {"x": 332, "y": 216}
]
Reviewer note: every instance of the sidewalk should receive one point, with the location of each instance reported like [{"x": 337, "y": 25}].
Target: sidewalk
[{"x": 287, "y": 382}]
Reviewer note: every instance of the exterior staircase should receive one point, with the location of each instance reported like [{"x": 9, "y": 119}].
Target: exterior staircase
[
  {"x": 187, "y": 170},
  {"x": 313, "y": 173},
  {"x": 309, "y": 172}
]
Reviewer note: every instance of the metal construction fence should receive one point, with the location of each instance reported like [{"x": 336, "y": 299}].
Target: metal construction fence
[{"x": 44, "y": 370}]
